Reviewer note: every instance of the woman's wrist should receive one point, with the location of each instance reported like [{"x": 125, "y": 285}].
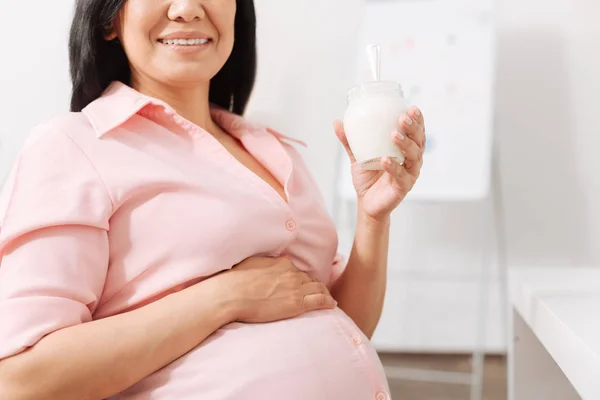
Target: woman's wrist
[
  {"x": 371, "y": 223},
  {"x": 371, "y": 240},
  {"x": 213, "y": 293}
]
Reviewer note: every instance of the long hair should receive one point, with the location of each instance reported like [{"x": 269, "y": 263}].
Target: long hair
[{"x": 96, "y": 62}]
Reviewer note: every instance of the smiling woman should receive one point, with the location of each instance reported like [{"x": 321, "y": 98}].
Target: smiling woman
[
  {"x": 156, "y": 245},
  {"x": 118, "y": 40}
]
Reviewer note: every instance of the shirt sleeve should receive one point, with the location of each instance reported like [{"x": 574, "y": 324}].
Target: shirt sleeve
[
  {"x": 337, "y": 269},
  {"x": 54, "y": 212}
]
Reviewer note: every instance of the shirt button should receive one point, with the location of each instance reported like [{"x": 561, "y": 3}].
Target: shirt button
[
  {"x": 290, "y": 225},
  {"x": 356, "y": 339},
  {"x": 381, "y": 396}
]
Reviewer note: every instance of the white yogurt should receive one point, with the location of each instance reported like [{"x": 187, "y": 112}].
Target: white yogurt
[{"x": 374, "y": 109}]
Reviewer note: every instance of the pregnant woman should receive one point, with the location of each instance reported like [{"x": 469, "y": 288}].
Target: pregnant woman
[{"x": 156, "y": 245}]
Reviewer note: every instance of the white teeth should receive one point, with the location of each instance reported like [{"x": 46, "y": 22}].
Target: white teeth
[{"x": 185, "y": 42}]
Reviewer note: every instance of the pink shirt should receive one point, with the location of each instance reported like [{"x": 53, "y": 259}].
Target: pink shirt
[{"x": 117, "y": 206}]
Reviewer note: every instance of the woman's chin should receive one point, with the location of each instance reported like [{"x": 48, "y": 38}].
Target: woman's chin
[{"x": 184, "y": 78}]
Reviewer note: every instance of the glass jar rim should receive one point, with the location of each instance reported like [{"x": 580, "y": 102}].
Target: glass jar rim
[{"x": 376, "y": 87}]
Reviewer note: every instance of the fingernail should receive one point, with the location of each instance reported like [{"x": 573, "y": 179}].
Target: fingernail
[
  {"x": 398, "y": 136},
  {"x": 417, "y": 112},
  {"x": 387, "y": 162},
  {"x": 408, "y": 120}
]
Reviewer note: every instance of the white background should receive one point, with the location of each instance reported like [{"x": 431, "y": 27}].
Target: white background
[{"x": 34, "y": 69}]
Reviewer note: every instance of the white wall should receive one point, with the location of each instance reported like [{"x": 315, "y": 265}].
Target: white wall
[
  {"x": 548, "y": 121},
  {"x": 34, "y": 78},
  {"x": 548, "y": 125}
]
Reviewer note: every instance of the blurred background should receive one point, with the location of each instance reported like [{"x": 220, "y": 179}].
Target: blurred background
[{"x": 510, "y": 91}]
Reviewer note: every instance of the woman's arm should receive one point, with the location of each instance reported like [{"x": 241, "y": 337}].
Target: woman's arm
[
  {"x": 98, "y": 359},
  {"x": 360, "y": 290}
]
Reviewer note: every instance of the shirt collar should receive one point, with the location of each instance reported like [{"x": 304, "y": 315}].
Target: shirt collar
[
  {"x": 120, "y": 102},
  {"x": 114, "y": 107}
]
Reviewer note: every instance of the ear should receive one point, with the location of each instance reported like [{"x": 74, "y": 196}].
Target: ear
[{"x": 110, "y": 33}]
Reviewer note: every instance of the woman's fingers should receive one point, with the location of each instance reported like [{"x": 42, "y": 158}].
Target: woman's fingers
[
  {"x": 314, "y": 288},
  {"x": 341, "y": 135},
  {"x": 411, "y": 140},
  {"x": 315, "y": 296},
  {"x": 412, "y": 152},
  {"x": 412, "y": 125},
  {"x": 417, "y": 115},
  {"x": 318, "y": 301},
  {"x": 409, "y": 148},
  {"x": 402, "y": 180},
  {"x": 413, "y": 167}
]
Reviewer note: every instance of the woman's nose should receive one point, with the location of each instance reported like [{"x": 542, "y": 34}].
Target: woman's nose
[{"x": 186, "y": 10}]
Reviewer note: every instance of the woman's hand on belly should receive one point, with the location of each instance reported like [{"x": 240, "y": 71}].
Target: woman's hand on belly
[{"x": 262, "y": 289}]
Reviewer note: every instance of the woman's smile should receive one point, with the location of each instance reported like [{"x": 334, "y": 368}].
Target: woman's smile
[
  {"x": 186, "y": 45},
  {"x": 186, "y": 42}
]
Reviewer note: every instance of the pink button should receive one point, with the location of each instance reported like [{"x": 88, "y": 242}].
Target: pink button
[
  {"x": 381, "y": 396},
  {"x": 356, "y": 339},
  {"x": 290, "y": 225}
]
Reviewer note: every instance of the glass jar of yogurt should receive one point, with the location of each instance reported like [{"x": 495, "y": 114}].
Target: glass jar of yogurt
[{"x": 374, "y": 109}]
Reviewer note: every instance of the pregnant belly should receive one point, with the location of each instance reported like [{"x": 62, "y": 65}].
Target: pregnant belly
[{"x": 318, "y": 356}]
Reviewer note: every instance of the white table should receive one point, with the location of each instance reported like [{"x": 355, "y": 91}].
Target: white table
[{"x": 555, "y": 351}]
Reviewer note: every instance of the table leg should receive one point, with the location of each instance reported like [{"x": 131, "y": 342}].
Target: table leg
[{"x": 535, "y": 375}]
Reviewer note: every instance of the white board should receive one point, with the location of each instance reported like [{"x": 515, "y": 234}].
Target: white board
[
  {"x": 34, "y": 70},
  {"x": 441, "y": 51}
]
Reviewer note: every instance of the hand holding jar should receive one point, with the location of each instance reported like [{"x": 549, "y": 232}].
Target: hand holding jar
[{"x": 385, "y": 141}]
